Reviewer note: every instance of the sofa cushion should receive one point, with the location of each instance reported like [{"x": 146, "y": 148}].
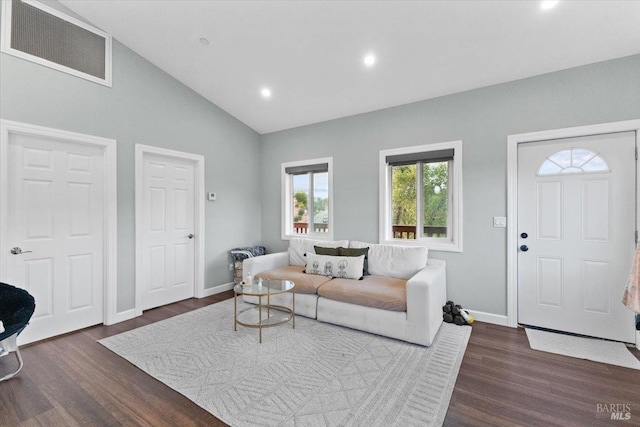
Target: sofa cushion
[
  {"x": 385, "y": 293},
  {"x": 298, "y": 247},
  {"x": 305, "y": 283},
  {"x": 402, "y": 262},
  {"x": 335, "y": 266}
]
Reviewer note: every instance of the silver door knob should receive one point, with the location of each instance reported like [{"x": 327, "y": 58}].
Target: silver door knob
[
  {"x": 18, "y": 251},
  {"x": 191, "y": 236}
]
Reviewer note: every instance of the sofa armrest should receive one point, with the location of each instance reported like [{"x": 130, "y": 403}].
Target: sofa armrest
[
  {"x": 262, "y": 263},
  {"x": 426, "y": 294}
]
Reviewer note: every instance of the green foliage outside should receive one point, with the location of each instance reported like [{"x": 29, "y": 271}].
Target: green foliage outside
[
  {"x": 300, "y": 205},
  {"x": 434, "y": 191},
  {"x": 404, "y": 195},
  {"x": 301, "y": 198},
  {"x": 320, "y": 205}
]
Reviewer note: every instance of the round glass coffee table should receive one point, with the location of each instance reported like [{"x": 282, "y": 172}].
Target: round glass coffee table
[{"x": 265, "y": 314}]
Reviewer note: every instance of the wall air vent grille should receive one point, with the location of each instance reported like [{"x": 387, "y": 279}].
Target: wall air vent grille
[{"x": 40, "y": 34}]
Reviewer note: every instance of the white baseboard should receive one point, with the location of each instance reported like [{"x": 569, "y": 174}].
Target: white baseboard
[
  {"x": 496, "y": 319},
  {"x": 217, "y": 289},
  {"x": 121, "y": 316}
]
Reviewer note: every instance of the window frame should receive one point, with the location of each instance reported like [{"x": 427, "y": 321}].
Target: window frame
[
  {"x": 286, "y": 200},
  {"x": 454, "y": 242}
]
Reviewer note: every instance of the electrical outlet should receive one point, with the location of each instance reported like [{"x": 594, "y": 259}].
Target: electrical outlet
[{"x": 231, "y": 267}]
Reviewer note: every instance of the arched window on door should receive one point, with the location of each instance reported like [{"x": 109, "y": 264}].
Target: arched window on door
[{"x": 574, "y": 160}]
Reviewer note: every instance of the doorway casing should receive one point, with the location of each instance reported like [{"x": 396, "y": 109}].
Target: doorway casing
[
  {"x": 512, "y": 193},
  {"x": 110, "y": 244},
  {"x": 198, "y": 161}
]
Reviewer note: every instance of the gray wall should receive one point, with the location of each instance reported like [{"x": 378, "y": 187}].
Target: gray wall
[
  {"x": 147, "y": 106},
  {"x": 482, "y": 119}
]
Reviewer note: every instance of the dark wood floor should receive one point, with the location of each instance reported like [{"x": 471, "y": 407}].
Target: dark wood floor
[{"x": 72, "y": 380}]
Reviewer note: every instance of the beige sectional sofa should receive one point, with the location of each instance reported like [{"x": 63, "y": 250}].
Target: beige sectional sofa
[{"x": 402, "y": 297}]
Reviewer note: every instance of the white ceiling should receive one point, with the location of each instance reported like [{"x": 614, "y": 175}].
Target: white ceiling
[{"x": 310, "y": 52}]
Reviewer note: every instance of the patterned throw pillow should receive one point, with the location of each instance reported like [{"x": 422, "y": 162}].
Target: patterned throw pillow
[
  {"x": 335, "y": 266},
  {"x": 356, "y": 252}
]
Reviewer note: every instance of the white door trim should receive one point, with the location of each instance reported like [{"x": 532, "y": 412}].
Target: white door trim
[
  {"x": 198, "y": 160},
  {"x": 108, "y": 146},
  {"x": 512, "y": 193}
]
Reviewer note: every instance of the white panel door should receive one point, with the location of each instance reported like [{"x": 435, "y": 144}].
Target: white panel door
[
  {"x": 576, "y": 226},
  {"x": 55, "y": 216},
  {"x": 168, "y": 262}
]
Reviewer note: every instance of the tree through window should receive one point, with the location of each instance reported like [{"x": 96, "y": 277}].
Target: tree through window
[
  {"x": 306, "y": 197},
  {"x": 418, "y": 203}
]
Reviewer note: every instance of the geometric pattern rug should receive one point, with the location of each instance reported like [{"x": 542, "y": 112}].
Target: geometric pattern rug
[{"x": 317, "y": 374}]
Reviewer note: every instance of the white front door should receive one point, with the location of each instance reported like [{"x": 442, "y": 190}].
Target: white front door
[
  {"x": 167, "y": 231},
  {"x": 55, "y": 223},
  {"x": 576, "y": 234}
]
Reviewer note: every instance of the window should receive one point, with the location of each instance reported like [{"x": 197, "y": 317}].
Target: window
[
  {"x": 575, "y": 160},
  {"x": 307, "y": 199},
  {"x": 421, "y": 196}
]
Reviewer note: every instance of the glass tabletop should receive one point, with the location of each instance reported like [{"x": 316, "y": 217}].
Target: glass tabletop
[{"x": 268, "y": 287}]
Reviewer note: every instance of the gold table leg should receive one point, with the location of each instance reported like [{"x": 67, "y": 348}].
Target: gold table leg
[{"x": 260, "y": 316}]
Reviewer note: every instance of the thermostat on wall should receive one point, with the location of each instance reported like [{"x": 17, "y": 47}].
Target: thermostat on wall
[{"x": 211, "y": 196}]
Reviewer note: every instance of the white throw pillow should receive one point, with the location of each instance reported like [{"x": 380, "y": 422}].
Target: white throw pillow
[
  {"x": 298, "y": 247},
  {"x": 401, "y": 262},
  {"x": 335, "y": 266}
]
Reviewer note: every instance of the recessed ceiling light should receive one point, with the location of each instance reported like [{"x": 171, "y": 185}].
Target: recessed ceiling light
[
  {"x": 204, "y": 41},
  {"x": 266, "y": 92},
  {"x": 369, "y": 60},
  {"x": 548, "y": 4}
]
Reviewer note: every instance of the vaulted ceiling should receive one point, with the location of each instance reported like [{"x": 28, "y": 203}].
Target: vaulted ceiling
[{"x": 310, "y": 54}]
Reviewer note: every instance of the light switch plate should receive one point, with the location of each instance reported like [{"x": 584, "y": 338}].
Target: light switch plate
[
  {"x": 500, "y": 221},
  {"x": 211, "y": 196}
]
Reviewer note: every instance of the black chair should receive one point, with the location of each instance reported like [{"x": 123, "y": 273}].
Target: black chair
[{"x": 16, "y": 308}]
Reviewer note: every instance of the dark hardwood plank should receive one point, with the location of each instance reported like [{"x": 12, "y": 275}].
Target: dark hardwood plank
[
  {"x": 73, "y": 381},
  {"x": 502, "y": 381}
]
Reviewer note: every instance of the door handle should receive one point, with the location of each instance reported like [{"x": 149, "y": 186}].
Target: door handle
[
  {"x": 191, "y": 236},
  {"x": 524, "y": 248},
  {"x": 17, "y": 251}
]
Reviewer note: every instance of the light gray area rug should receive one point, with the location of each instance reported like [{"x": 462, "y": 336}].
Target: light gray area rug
[
  {"x": 316, "y": 375},
  {"x": 597, "y": 350}
]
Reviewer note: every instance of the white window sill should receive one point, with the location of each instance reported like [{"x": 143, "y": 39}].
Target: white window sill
[
  {"x": 326, "y": 237},
  {"x": 430, "y": 244}
]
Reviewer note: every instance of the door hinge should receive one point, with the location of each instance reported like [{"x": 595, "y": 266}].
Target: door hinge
[
  {"x": 636, "y": 237},
  {"x": 636, "y": 153}
]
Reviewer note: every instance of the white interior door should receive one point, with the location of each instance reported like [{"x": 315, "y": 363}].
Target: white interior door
[
  {"x": 167, "y": 231},
  {"x": 55, "y": 216},
  {"x": 576, "y": 234}
]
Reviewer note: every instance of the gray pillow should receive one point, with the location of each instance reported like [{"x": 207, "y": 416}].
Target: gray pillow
[{"x": 327, "y": 251}]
